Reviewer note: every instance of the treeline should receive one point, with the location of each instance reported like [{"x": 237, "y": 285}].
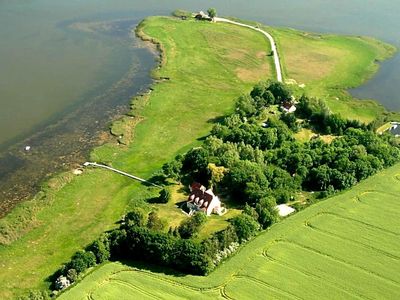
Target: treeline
[
  {"x": 141, "y": 237},
  {"x": 257, "y": 156},
  {"x": 319, "y": 117}
]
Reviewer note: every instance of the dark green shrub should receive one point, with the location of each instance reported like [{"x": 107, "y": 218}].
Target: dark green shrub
[
  {"x": 82, "y": 260},
  {"x": 164, "y": 196},
  {"x": 101, "y": 249},
  {"x": 245, "y": 227},
  {"x": 192, "y": 225},
  {"x": 154, "y": 222},
  {"x": 135, "y": 217}
]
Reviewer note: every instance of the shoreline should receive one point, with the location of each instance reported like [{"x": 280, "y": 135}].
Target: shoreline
[
  {"x": 343, "y": 92},
  {"x": 64, "y": 142}
]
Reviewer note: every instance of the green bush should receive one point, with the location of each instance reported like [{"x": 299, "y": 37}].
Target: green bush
[
  {"x": 164, "y": 196},
  {"x": 154, "y": 222},
  {"x": 36, "y": 295},
  {"x": 72, "y": 275},
  {"x": 191, "y": 226},
  {"x": 135, "y": 217},
  {"x": 101, "y": 249},
  {"x": 82, "y": 260},
  {"x": 245, "y": 226}
]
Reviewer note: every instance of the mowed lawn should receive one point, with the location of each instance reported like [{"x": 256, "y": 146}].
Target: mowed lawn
[
  {"x": 208, "y": 66},
  {"x": 346, "y": 247}
]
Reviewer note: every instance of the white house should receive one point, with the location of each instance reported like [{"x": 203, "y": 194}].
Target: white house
[
  {"x": 203, "y": 200},
  {"x": 201, "y": 15},
  {"x": 288, "y": 107}
]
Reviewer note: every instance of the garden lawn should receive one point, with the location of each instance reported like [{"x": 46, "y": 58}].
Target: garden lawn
[{"x": 346, "y": 247}]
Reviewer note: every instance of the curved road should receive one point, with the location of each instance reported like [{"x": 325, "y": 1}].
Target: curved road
[{"x": 270, "y": 38}]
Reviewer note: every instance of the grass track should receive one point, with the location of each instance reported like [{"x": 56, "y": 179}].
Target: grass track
[{"x": 340, "y": 248}]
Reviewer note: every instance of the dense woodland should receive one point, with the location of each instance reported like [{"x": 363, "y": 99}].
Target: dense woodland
[
  {"x": 252, "y": 158},
  {"x": 257, "y": 155}
]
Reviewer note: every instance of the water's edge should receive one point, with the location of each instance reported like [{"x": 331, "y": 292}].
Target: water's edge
[{"x": 64, "y": 144}]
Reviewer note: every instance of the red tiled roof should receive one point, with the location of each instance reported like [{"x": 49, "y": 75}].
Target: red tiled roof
[
  {"x": 195, "y": 186},
  {"x": 203, "y": 197},
  {"x": 287, "y": 104}
]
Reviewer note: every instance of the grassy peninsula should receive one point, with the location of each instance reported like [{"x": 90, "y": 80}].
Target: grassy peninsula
[{"x": 204, "y": 67}]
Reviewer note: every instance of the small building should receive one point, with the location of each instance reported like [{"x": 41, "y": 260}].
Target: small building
[
  {"x": 288, "y": 106},
  {"x": 284, "y": 210},
  {"x": 203, "y": 200},
  {"x": 201, "y": 15}
]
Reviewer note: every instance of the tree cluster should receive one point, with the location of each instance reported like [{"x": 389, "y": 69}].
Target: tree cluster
[
  {"x": 158, "y": 247},
  {"x": 264, "y": 94},
  {"x": 96, "y": 253},
  {"x": 318, "y": 116},
  {"x": 262, "y": 159},
  {"x": 178, "y": 248},
  {"x": 257, "y": 163},
  {"x": 140, "y": 238}
]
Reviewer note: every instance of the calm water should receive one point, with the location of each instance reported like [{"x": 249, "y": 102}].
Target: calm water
[{"x": 68, "y": 67}]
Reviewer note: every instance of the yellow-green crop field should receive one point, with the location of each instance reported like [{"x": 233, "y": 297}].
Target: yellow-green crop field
[{"x": 346, "y": 247}]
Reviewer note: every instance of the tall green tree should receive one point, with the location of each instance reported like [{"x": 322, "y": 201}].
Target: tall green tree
[
  {"x": 245, "y": 226},
  {"x": 212, "y": 12}
]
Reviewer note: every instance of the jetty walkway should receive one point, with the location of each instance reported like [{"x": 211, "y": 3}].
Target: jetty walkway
[{"x": 86, "y": 164}]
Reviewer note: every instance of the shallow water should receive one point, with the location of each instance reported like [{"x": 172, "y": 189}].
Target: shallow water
[{"x": 68, "y": 67}]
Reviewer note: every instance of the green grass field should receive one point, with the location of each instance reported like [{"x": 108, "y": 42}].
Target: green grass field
[
  {"x": 346, "y": 247},
  {"x": 208, "y": 66}
]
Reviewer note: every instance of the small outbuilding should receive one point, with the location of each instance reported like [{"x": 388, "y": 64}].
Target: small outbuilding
[
  {"x": 203, "y": 200},
  {"x": 288, "y": 107},
  {"x": 284, "y": 210},
  {"x": 201, "y": 15}
]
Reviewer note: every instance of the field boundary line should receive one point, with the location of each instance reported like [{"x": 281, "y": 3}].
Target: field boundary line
[
  {"x": 134, "y": 287},
  {"x": 170, "y": 281}
]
